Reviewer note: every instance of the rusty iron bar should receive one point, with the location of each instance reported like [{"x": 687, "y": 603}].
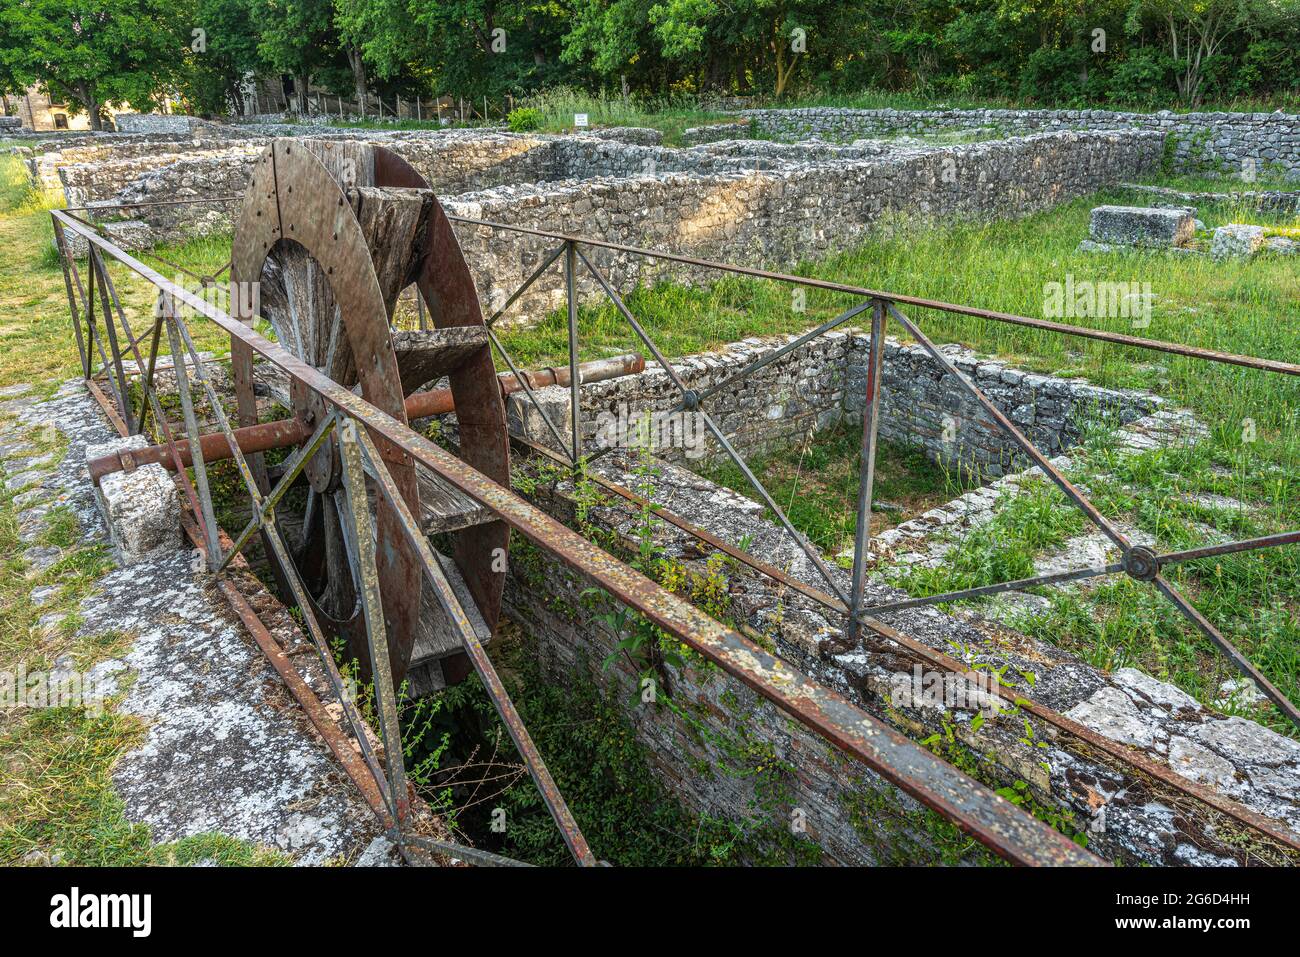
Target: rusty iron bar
[
  {"x": 690, "y": 397},
  {"x": 90, "y": 332},
  {"x": 1140, "y": 563},
  {"x": 165, "y": 304},
  {"x": 287, "y": 432},
  {"x": 107, "y": 406},
  {"x": 196, "y": 446},
  {"x": 326, "y": 655},
  {"x": 528, "y": 390},
  {"x": 297, "y": 462},
  {"x": 1229, "y": 548},
  {"x": 850, "y": 313},
  {"x": 1135, "y": 759},
  {"x": 471, "y": 854},
  {"x": 732, "y": 380},
  {"x": 358, "y": 509},
  {"x": 1192, "y": 352},
  {"x": 1230, "y": 651},
  {"x": 439, "y": 401},
  {"x": 212, "y": 446},
  {"x": 478, "y": 656},
  {"x": 546, "y": 263},
  {"x": 61, "y": 245},
  {"x": 147, "y": 386},
  {"x": 108, "y": 300},
  {"x": 575, "y": 378},
  {"x": 1056, "y": 578},
  {"x": 1058, "y": 478},
  {"x": 867, "y": 465},
  {"x": 989, "y": 818}
]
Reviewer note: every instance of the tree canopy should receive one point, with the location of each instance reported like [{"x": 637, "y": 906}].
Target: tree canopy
[
  {"x": 90, "y": 52},
  {"x": 1132, "y": 53}
]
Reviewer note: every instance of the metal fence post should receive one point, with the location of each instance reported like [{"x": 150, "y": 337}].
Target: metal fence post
[
  {"x": 354, "y": 487},
  {"x": 575, "y": 377},
  {"x": 867, "y": 465},
  {"x": 196, "y": 444}
]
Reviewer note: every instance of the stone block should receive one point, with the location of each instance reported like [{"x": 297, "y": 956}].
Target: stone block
[
  {"x": 141, "y": 508},
  {"x": 1237, "y": 239},
  {"x": 525, "y": 419},
  {"x": 1141, "y": 226},
  {"x": 130, "y": 234}
]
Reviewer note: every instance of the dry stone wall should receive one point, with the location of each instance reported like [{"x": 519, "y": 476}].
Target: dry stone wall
[
  {"x": 1199, "y": 142},
  {"x": 728, "y": 753},
  {"x": 778, "y": 217},
  {"x": 823, "y": 382},
  {"x": 749, "y": 202},
  {"x": 924, "y": 405},
  {"x": 98, "y": 181}
]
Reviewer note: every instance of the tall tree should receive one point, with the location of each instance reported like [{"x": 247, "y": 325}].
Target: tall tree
[
  {"x": 489, "y": 47},
  {"x": 763, "y": 42},
  {"x": 223, "y": 53},
  {"x": 1194, "y": 32},
  {"x": 378, "y": 33},
  {"x": 296, "y": 37},
  {"x": 93, "y": 52}
]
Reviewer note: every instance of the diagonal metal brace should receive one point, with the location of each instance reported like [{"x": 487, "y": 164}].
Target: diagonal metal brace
[
  {"x": 559, "y": 809},
  {"x": 264, "y": 513}
]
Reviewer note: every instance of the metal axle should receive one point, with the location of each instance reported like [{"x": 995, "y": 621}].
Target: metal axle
[{"x": 289, "y": 432}]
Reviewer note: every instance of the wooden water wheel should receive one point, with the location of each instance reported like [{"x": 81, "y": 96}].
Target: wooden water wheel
[{"x": 334, "y": 231}]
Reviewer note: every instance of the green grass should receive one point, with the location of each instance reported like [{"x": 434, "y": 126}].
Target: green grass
[
  {"x": 669, "y": 115},
  {"x": 558, "y": 106},
  {"x": 1268, "y": 178},
  {"x": 816, "y": 484},
  {"x": 57, "y": 803},
  {"x": 1026, "y": 525}
]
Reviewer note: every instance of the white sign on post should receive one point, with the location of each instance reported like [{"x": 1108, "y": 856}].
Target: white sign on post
[{"x": 579, "y": 119}]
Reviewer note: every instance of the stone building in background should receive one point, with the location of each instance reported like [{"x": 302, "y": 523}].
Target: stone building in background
[{"x": 39, "y": 111}]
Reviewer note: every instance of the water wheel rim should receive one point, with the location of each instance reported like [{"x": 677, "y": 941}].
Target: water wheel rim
[{"x": 293, "y": 196}]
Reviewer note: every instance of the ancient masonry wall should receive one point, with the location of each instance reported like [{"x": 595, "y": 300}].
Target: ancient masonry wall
[
  {"x": 153, "y": 123},
  {"x": 92, "y": 182},
  {"x": 824, "y": 381},
  {"x": 925, "y": 405},
  {"x": 1199, "y": 142},
  {"x": 779, "y": 217},
  {"x": 44, "y": 158},
  {"x": 752, "y": 203},
  {"x": 727, "y": 753},
  {"x": 452, "y": 162}
]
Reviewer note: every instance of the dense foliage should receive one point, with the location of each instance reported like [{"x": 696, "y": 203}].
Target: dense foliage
[{"x": 1138, "y": 53}]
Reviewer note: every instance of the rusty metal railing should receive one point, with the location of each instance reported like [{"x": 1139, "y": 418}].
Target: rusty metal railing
[
  {"x": 884, "y": 306},
  {"x": 995, "y": 822},
  {"x": 898, "y": 762},
  {"x": 1139, "y": 562}
]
